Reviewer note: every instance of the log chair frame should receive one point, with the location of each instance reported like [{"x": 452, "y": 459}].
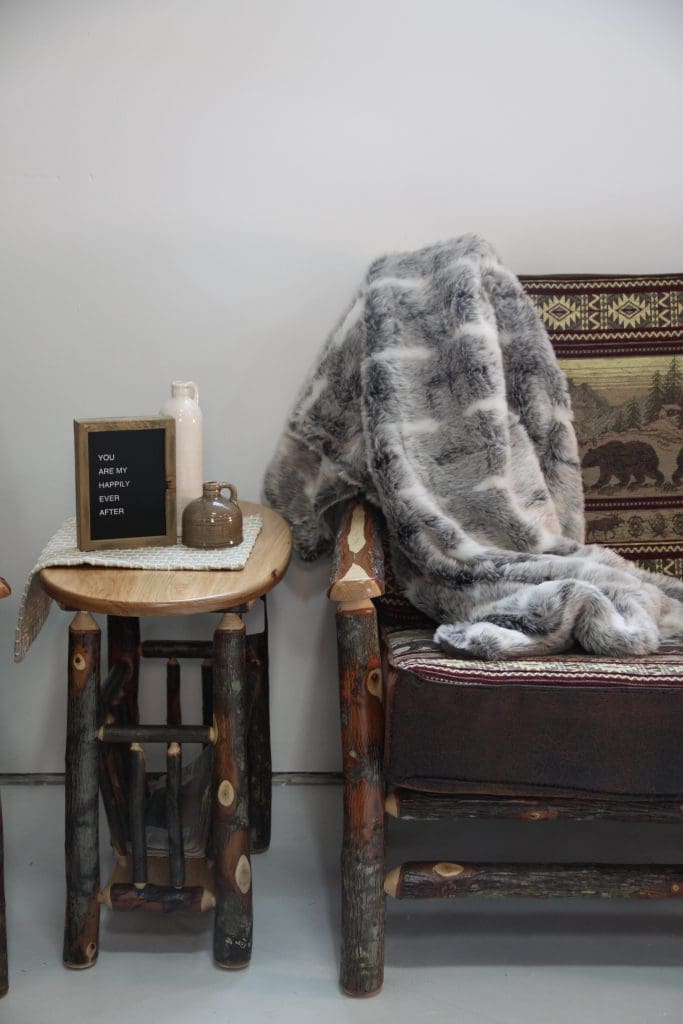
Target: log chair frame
[
  {"x": 357, "y": 577},
  {"x": 103, "y": 732}
]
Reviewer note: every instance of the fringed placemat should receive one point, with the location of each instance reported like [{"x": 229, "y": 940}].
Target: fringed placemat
[{"x": 62, "y": 550}]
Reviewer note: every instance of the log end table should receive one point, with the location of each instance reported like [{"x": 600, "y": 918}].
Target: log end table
[{"x": 104, "y": 742}]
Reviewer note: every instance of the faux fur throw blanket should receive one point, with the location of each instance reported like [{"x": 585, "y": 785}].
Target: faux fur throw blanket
[{"x": 438, "y": 398}]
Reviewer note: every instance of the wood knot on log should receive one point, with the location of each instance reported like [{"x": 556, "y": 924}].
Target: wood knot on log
[
  {"x": 391, "y": 881},
  {"x": 391, "y": 805},
  {"x": 79, "y": 662},
  {"x": 243, "y": 874},
  {"x": 208, "y": 900},
  {"x": 447, "y": 870},
  {"x": 91, "y": 951},
  {"x": 373, "y": 682},
  {"x": 226, "y": 793}
]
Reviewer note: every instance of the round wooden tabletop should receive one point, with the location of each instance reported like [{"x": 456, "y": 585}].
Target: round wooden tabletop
[{"x": 136, "y": 592}]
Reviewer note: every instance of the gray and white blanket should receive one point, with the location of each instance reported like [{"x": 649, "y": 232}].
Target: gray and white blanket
[{"x": 438, "y": 397}]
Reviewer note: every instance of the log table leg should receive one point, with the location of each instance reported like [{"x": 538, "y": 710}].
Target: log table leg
[
  {"x": 233, "y": 920},
  {"x": 138, "y": 793},
  {"x": 363, "y": 902},
  {"x": 123, "y": 643},
  {"x": 4, "y": 977},
  {"x": 82, "y": 919},
  {"x": 123, "y": 638},
  {"x": 260, "y": 764},
  {"x": 207, "y": 691}
]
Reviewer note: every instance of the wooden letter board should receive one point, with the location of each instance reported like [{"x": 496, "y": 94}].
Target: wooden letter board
[{"x": 125, "y": 482}]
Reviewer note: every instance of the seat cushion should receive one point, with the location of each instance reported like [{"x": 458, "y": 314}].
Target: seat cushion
[{"x": 569, "y": 724}]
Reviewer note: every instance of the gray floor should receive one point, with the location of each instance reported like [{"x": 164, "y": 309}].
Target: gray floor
[{"x": 474, "y": 962}]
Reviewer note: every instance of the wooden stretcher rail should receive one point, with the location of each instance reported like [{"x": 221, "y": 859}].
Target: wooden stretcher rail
[
  {"x": 176, "y": 649},
  {"x": 446, "y": 879},
  {"x": 408, "y": 805},
  {"x": 162, "y": 899},
  {"x": 156, "y": 734}
]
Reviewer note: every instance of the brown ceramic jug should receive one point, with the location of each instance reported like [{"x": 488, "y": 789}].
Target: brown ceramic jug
[{"x": 213, "y": 521}]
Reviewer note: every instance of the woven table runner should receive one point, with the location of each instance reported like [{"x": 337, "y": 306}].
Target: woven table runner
[{"x": 62, "y": 550}]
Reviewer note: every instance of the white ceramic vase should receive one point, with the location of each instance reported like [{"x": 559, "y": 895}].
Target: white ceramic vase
[{"x": 183, "y": 406}]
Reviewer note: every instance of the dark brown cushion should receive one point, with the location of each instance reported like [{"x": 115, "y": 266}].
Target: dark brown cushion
[{"x": 570, "y": 724}]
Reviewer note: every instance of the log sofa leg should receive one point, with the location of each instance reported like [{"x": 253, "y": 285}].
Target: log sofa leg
[
  {"x": 233, "y": 916},
  {"x": 258, "y": 744},
  {"x": 82, "y": 919},
  {"x": 362, "y": 955}
]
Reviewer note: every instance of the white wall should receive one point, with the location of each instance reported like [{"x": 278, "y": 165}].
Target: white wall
[{"x": 192, "y": 188}]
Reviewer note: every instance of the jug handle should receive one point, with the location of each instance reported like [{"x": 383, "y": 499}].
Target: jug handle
[
  {"x": 188, "y": 384},
  {"x": 222, "y": 486}
]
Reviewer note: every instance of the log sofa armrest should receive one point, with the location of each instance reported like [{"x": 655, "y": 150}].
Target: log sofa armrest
[{"x": 358, "y": 567}]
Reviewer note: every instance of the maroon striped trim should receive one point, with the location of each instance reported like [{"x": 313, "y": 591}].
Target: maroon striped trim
[{"x": 508, "y": 678}]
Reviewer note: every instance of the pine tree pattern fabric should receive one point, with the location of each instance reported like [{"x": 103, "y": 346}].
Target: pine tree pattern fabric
[{"x": 619, "y": 339}]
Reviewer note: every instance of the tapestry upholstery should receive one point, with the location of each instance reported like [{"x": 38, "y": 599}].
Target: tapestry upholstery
[{"x": 619, "y": 340}]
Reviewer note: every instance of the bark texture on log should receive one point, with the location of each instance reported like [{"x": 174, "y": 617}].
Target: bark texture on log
[
  {"x": 138, "y": 799},
  {"x": 358, "y": 561},
  {"x": 233, "y": 920},
  {"x": 160, "y": 899},
  {"x": 123, "y": 637},
  {"x": 177, "y": 649},
  {"x": 362, "y": 723},
  {"x": 4, "y": 975},
  {"x": 409, "y": 805},
  {"x": 155, "y": 734},
  {"x": 115, "y": 803},
  {"x": 113, "y": 687},
  {"x": 174, "y": 715},
  {"x": 81, "y": 927},
  {"x": 207, "y": 690},
  {"x": 176, "y": 853},
  {"x": 121, "y": 708},
  {"x": 446, "y": 879},
  {"x": 258, "y": 746}
]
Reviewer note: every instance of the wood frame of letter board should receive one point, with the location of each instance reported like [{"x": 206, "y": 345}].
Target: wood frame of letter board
[{"x": 82, "y": 430}]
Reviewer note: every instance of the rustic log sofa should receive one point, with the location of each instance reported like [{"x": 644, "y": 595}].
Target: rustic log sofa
[{"x": 426, "y": 736}]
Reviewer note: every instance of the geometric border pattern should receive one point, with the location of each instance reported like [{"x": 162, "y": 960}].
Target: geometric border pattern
[{"x": 415, "y": 651}]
